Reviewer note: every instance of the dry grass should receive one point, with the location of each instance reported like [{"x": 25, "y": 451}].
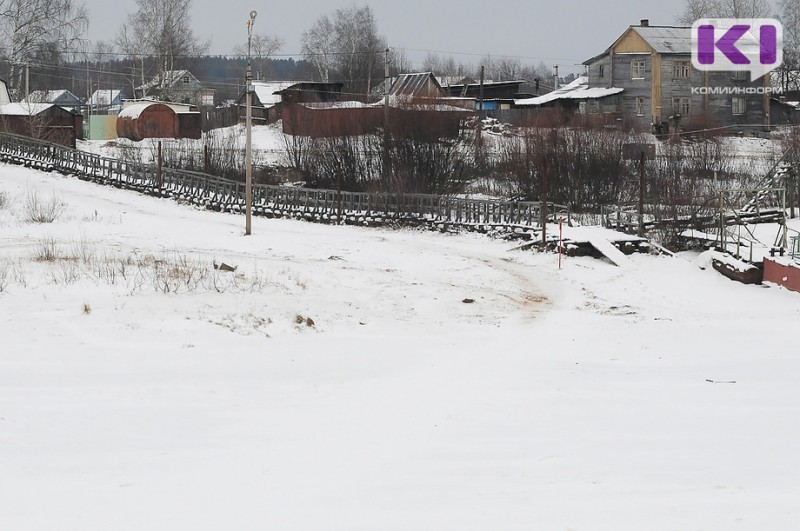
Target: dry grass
[{"x": 39, "y": 210}]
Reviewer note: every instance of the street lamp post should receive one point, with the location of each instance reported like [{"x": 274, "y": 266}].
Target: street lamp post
[{"x": 249, "y": 126}]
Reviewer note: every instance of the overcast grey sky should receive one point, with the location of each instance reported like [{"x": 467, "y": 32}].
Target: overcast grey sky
[{"x": 563, "y": 32}]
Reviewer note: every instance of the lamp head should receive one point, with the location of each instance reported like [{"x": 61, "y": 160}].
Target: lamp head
[{"x": 253, "y": 14}]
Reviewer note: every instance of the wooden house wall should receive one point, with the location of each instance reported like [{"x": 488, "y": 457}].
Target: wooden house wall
[
  {"x": 659, "y": 87},
  {"x": 634, "y": 87}
]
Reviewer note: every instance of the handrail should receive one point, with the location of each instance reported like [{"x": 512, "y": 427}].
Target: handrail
[{"x": 315, "y": 204}]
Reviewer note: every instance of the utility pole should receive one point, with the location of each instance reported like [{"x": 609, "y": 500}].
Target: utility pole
[
  {"x": 27, "y": 80},
  {"x": 248, "y": 174},
  {"x": 386, "y": 158},
  {"x": 555, "y": 77},
  {"x": 481, "y": 92},
  {"x": 543, "y": 203},
  {"x": 642, "y": 157}
]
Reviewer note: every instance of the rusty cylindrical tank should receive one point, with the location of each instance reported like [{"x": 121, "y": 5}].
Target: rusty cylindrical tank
[{"x": 147, "y": 120}]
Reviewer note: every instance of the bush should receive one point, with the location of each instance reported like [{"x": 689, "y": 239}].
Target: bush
[
  {"x": 38, "y": 210},
  {"x": 47, "y": 251}
]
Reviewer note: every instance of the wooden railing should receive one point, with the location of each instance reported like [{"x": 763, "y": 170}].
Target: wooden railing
[{"x": 313, "y": 204}]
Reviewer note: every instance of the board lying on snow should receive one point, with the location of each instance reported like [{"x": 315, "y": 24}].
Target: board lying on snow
[{"x": 610, "y": 251}]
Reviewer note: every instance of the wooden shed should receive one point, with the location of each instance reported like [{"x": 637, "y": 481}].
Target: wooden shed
[
  {"x": 44, "y": 121},
  {"x": 148, "y": 120}
]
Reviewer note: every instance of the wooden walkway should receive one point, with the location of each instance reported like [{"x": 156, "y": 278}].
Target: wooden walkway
[{"x": 330, "y": 206}]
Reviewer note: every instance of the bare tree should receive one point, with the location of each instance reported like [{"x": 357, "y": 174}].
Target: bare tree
[
  {"x": 506, "y": 69},
  {"x": 442, "y": 66},
  {"x": 400, "y": 63},
  {"x": 789, "y": 14},
  {"x": 319, "y": 46},
  {"x": 696, "y": 9},
  {"x": 161, "y": 30},
  {"x": 29, "y": 27},
  {"x": 262, "y": 47},
  {"x": 359, "y": 46},
  {"x": 347, "y": 43}
]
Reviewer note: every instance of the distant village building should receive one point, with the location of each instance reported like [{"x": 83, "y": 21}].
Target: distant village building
[
  {"x": 62, "y": 98},
  {"x": 417, "y": 103},
  {"x": 417, "y": 85},
  {"x": 44, "y": 121},
  {"x": 490, "y": 95},
  {"x": 577, "y": 96},
  {"x": 661, "y": 90},
  {"x": 106, "y": 101},
  {"x": 265, "y": 101},
  {"x": 179, "y": 86}
]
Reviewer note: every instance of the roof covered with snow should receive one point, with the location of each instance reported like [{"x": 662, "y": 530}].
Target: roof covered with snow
[
  {"x": 24, "y": 109},
  {"x": 171, "y": 77},
  {"x": 134, "y": 110},
  {"x": 576, "y": 90},
  {"x": 104, "y": 97},
  {"x": 266, "y": 91},
  {"x": 51, "y": 96}
]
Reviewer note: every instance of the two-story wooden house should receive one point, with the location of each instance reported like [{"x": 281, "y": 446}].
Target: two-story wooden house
[{"x": 663, "y": 91}]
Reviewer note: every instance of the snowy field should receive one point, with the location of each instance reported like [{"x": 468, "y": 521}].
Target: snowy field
[{"x": 340, "y": 379}]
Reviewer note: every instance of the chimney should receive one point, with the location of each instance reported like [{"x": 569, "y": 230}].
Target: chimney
[{"x": 644, "y": 22}]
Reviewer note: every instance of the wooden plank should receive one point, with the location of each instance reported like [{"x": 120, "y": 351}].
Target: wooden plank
[{"x": 610, "y": 251}]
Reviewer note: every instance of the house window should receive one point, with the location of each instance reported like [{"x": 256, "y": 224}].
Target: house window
[
  {"x": 682, "y": 106},
  {"x": 639, "y": 106},
  {"x": 185, "y": 80},
  {"x": 637, "y": 69},
  {"x": 601, "y": 71},
  {"x": 739, "y": 75},
  {"x": 738, "y": 105},
  {"x": 681, "y": 69}
]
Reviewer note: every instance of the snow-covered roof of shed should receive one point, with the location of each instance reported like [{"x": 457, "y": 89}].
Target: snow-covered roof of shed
[
  {"x": 265, "y": 91},
  {"x": 338, "y": 105},
  {"x": 578, "y": 89},
  {"x": 24, "y": 108}
]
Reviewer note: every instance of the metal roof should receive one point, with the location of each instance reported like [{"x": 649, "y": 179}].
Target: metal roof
[
  {"x": 667, "y": 39},
  {"x": 24, "y": 109},
  {"x": 576, "y": 90},
  {"x": 414, "y": 85}
]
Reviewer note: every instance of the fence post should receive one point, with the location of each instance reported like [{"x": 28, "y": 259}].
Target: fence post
[{"x": 159, "y": 176}]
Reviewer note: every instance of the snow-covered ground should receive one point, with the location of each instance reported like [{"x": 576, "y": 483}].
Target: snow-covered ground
[{"x": 340, "y": 379}]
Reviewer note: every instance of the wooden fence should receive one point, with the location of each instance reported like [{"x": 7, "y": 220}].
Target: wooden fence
[{"x": 312, "y": 204}]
